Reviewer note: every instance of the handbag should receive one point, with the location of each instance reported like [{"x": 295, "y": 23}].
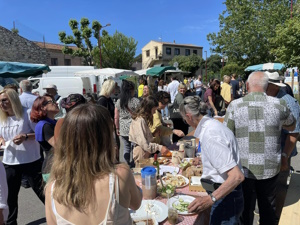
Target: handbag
[{"x": 174, "y": 110}]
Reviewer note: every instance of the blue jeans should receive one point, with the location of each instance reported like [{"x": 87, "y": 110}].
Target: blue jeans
[
  {"x": 199, "y": 93},
  {"x": 228, "y": 210},
  {"x": 165, "y": 112},
  {"x": 126, "y": 148}
]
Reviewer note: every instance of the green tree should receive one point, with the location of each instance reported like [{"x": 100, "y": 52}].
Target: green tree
[
  {"x": 214, "y": 63},
  {"x": 286, "y": 42},
  {"x": 118, "y": 51},
  {"x": 81, "y": 38},
  {"x": 189, "y": 63},
  {"x": 138, "y": 58},
  {"x": 231, "y": 68},
  {"x": 246, "y": 27}
]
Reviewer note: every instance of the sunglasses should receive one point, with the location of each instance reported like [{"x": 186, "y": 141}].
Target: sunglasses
[
  {"x": 49, "y": 102},
  {"x": 4, "y": 101}
]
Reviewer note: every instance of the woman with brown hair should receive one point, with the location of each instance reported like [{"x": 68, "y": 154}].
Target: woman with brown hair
[
  {"x": 21, "y": 151},
  {"x": 140, "y": 134},
  {"x": 86, "y": 186},
  {"x": 210, "y": 97}
]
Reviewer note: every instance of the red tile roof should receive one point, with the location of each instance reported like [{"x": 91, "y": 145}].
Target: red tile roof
[{"x": 52, "y": 46}]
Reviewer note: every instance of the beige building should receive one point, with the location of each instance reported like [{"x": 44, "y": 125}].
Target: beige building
[
  {"x": 156, "y": 52},
  {"x": 57, "y": 58}
]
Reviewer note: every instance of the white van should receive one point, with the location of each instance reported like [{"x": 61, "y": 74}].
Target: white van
[
  {"x": 69, "y": 71},
  {"x": 65, "y": 85}
]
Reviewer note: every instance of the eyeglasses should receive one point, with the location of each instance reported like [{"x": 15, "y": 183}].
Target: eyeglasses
[
  {"x": 48, "y": 102},
  {"x": 4, "y": 101}
]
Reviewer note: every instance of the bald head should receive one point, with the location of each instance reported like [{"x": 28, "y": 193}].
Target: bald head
[{"x": 257, "y": 82}]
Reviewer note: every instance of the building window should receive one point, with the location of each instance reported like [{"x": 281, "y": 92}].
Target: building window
[
  {"x": 147, "y": 53},
  {"x": 195, "y": 52},
  {"x": 54, "y": 62},
  {"x": 168, "y": 51},
  {"x": 67, "y": 62},
  {"x": 187, "y": 52},
  {"x": 177, "y": 51}
]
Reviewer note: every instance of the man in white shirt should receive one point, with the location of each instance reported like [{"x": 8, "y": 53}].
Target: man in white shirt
[
  {"x": 198, "y": 85},
  {"x": 173, "y": 88},
  {"x": 26, "y": 97}
]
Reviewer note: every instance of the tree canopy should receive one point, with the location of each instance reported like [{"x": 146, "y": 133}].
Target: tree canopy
[
  {"x": 189, "y": 63},
  {"x": 81, "y": 38},
  {"x": 246, "y": 27},
  {"x": 118, "y": 51},
  {"x": 286, "y": 42}
]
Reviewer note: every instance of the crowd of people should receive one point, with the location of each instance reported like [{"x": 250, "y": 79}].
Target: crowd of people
[{"x": 70, "y": 146}]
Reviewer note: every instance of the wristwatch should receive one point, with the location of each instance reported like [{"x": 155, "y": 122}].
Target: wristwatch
[
  {"x": 213, "y": 198},
  {"x": 284, "y": 155},
  {"x": 26, "y": 137}
]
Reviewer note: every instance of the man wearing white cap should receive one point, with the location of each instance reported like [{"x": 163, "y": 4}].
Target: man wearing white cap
[
  {"x": 288, "y": 138},
  {"x": 51, "y": 89}
]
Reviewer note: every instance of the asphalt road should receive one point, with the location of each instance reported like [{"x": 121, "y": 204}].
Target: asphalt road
[{"x": 32, "y": 211}]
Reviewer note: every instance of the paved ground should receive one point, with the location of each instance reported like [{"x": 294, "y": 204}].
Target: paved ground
[{"x": 32, "y": 212}]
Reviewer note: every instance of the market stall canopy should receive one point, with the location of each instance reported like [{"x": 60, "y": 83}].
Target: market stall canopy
[
  {"x": 18, "y": 69},
  {"x": 177, "y": 71},
  {"x": 142, "y": 72},
  {"x": 157, "y": 71},
  {"x": 106, "y": 72},
  {"x": 266, "y": 66}
]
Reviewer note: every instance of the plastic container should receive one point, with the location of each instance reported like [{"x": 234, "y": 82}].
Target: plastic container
[
  {"x": 149, "y": 185},
  {"x": 189, "y": 151}
]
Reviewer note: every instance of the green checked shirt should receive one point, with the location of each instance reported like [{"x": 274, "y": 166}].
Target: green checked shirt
[{"x": 256, "y": 120}]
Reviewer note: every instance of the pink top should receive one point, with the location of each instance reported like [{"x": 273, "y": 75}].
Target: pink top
[{"x": 115, "y": 213}]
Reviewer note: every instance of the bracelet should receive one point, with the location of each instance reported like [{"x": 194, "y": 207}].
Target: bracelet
[
  {"x": 26, "y": 137},
  {"x": 284, "y": 155}
]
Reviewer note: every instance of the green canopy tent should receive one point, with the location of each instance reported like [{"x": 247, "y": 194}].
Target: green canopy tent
[
  {"x": 158, "y": 71},
  {"x": 18, "y": 69}
]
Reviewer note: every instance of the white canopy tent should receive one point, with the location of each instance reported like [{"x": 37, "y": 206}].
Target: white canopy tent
[
  {"x": 106, "y": 73},
  {"x": 141, "y": 72}
]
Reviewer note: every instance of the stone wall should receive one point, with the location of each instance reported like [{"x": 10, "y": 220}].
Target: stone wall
[{"x": 15, "y": 48}]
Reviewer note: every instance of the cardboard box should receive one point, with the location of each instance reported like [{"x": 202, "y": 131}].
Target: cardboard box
[{"x": 195, "y": 184}]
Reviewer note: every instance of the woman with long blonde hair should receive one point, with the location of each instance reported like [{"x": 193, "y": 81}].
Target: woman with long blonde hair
[
  {"x": 21, "y": 151},
  {"x": 86, "y": 186}
]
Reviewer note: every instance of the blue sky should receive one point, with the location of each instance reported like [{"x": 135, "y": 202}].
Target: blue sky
[{"x": 186, "y": 22}]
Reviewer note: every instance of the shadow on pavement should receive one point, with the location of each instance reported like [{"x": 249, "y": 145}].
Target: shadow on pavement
[{"x": 37, "y": 222}]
